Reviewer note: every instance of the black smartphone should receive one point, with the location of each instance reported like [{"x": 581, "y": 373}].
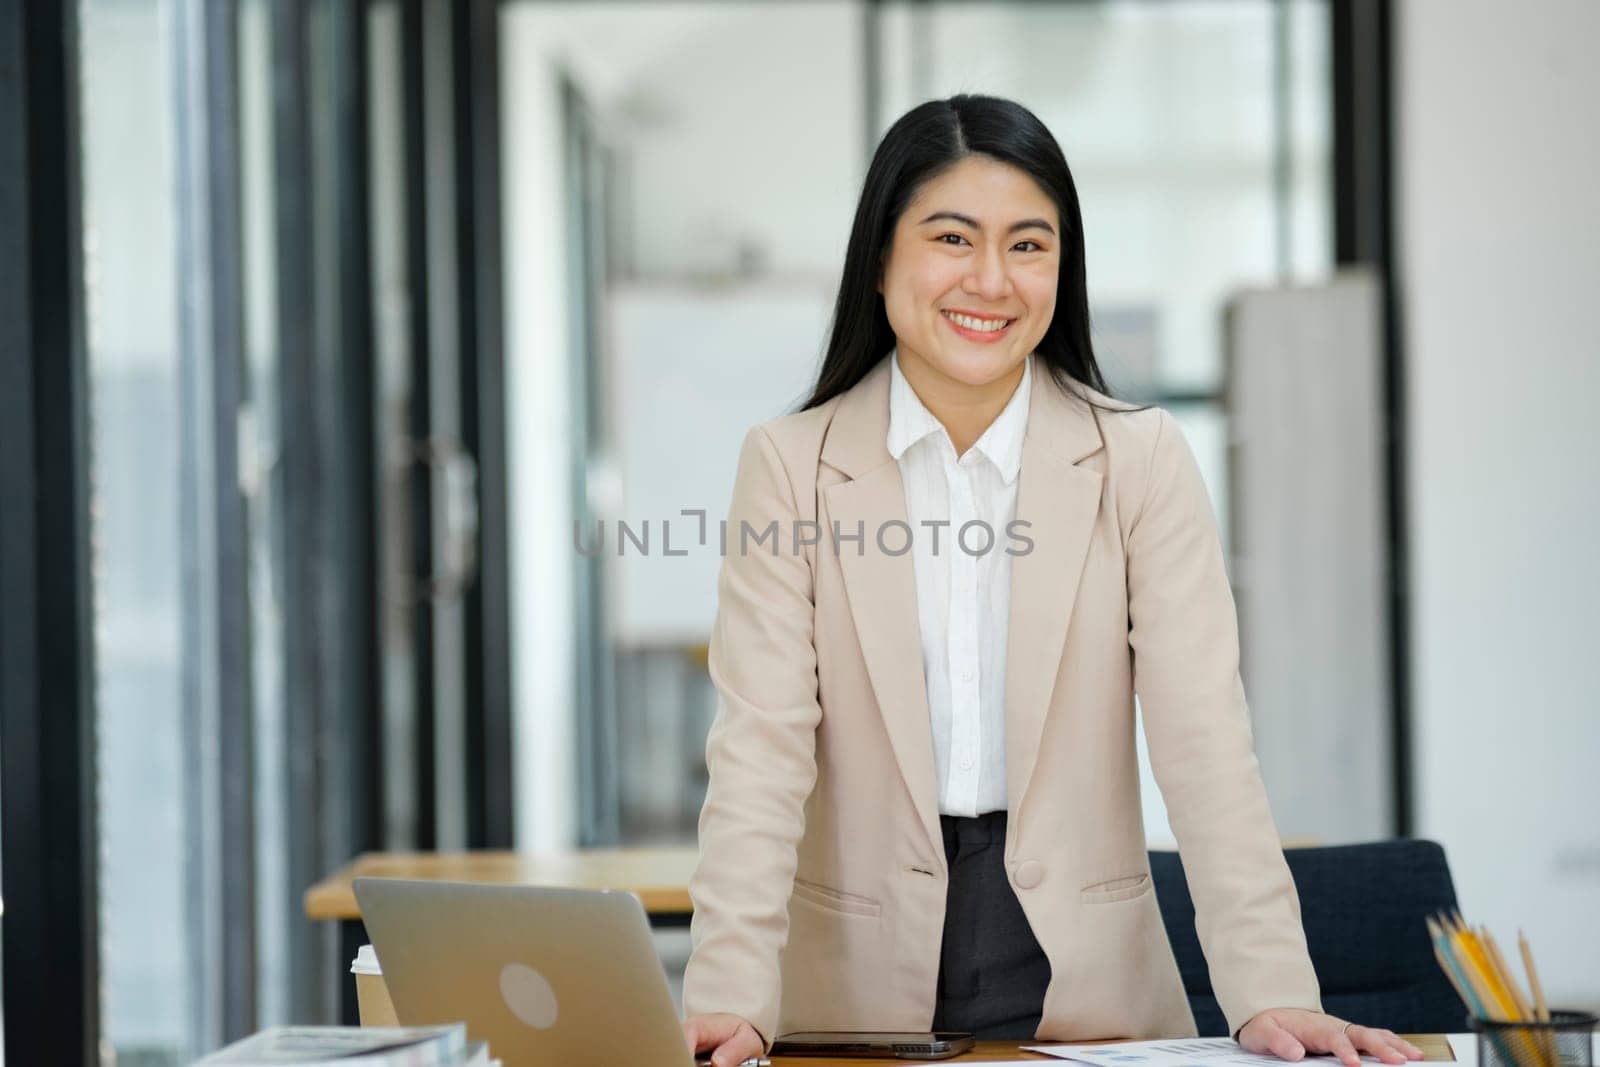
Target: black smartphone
[{"x": 910, "y": 1045}]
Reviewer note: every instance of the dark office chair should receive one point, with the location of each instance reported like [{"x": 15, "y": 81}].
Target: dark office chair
[{"x": 1363, "y": 908}]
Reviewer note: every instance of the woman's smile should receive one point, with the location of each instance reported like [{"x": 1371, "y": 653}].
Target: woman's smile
[{"x": 982, "y": 329}]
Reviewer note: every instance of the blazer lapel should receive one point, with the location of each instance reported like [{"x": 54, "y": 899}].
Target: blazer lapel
[
  {"x": 1060, "y": 501},
  {"x": 882, "y": 589}
]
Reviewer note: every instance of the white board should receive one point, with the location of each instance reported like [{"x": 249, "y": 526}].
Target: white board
[{"x": 693, "y": 369}]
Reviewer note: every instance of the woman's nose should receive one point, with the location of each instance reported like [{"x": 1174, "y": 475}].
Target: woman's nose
[{"x": 988, "y": 278}]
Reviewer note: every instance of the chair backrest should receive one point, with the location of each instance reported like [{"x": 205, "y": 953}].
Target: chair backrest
[{"x": 1363, "y": 908}]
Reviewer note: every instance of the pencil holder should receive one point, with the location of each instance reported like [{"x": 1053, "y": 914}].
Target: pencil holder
[{"x": 1565, "y": 1041}]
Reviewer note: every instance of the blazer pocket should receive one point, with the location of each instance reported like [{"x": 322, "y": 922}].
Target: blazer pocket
[
  {"x": 834, "y": 899},
  {"x": 1127, "y": 888}
]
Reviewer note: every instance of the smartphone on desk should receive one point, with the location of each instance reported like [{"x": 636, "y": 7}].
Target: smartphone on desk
[{"x": 907, "y": 1045}]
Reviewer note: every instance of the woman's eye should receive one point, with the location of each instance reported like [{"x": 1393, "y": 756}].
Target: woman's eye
[{"x": 1034, "y": 246}]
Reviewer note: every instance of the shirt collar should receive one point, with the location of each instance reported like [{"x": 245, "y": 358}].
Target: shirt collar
[{"x": 910, "y": 421}]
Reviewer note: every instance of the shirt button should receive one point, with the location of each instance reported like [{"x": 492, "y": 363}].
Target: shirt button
[{"x": 966, "y": 763}]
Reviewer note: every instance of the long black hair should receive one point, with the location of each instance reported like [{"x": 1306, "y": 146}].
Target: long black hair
[{"x": 923, "y": 143}]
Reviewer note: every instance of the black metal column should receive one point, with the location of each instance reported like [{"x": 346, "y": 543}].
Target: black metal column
[
  {"x": 351, "y": 375},
  {"x": 476, "y": 68},
  {"x": 1364, "y": 228},
  {"x": 299, "y": 488},
  {"x": 47, "y": 792},
  {"x": 419, "y": 417}
]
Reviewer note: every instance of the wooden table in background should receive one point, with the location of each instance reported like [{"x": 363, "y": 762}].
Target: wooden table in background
[{"x": 660, "y": 876}]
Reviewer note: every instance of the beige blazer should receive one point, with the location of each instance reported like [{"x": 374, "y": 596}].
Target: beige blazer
[{"x": 820, "y": 890}]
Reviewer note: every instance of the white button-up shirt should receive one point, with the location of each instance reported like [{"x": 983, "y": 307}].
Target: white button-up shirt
[{"x": 963, "y": 593}]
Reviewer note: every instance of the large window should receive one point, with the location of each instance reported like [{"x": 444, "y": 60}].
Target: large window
[
  {"x": 131, "y": 289},
  {"x": 291, "y": 322}
]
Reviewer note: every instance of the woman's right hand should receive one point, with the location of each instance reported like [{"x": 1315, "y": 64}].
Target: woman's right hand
[{"x": 729, "y": 1039}]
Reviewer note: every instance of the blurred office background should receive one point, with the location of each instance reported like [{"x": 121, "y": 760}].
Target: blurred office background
[{"x": 332, "y": 327}]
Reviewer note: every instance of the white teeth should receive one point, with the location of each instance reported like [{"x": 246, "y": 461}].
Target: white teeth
[{"x": 981, "y": 325}]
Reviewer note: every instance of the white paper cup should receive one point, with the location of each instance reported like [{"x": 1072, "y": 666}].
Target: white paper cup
[{"x": 372, "y": 996}]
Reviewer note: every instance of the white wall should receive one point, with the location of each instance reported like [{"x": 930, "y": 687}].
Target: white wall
[
  {"x": 734, "y": 355},
  {"x": 736, "y": 125},
  {"x": 755, "y": 138},
  {"x": 1499, "y": 231}
]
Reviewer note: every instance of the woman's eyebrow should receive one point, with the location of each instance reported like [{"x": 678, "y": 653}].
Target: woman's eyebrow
[{"x": 967, "y": 220}]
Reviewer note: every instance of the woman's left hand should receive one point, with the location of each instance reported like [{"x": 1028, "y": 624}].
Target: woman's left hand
[{"x": 1289, "y": 1033}]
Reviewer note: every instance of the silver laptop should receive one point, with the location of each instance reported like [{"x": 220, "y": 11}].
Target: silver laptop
[{"x": 544, "y": 975}]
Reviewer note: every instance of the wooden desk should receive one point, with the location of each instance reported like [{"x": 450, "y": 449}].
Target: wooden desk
[
  {"x": 1433, "y": 1046},
  {"x": 659, "y": 875}
]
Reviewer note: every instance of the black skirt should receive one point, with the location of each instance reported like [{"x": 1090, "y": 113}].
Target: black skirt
[{"x": 992, "y": 972}]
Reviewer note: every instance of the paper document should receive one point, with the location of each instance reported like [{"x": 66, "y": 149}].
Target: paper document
[
  {"x": 415, "y": 1046},
  {"x": 1173, "y": 1052}
]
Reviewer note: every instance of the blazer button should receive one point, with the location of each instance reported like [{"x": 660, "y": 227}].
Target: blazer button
[{"x": 1029, "y": 874}]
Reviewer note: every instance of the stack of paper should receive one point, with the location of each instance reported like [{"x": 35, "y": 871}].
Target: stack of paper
[
  {"x": 351, "y": 1046},
  {"x": 1173, "y": 1052}
]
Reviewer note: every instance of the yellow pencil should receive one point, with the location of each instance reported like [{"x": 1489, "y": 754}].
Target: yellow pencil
[
  {"x": 1503, "y": 975},
  {"x": 1468, "y": 985},
  {"x": 1496, "y": 1003},
  {"x": 1480, "y": 959}
]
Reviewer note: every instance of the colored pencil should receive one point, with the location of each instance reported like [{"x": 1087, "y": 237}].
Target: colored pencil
[{"x": 1477, "y": 970}]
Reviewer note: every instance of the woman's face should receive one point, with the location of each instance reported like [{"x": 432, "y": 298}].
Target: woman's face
[{"x": 981, "y": 239}]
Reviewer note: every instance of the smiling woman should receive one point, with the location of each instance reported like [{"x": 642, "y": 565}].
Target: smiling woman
[
  {"x": 945, "y": 232},
  {"x": 967, "y": 298},
  {"x": 923, "y": 810}
]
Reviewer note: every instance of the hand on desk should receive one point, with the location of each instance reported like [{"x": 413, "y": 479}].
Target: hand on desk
[
  {"x": 731, "y": 1039},
  {"x": 1289, "y": 1033}
]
